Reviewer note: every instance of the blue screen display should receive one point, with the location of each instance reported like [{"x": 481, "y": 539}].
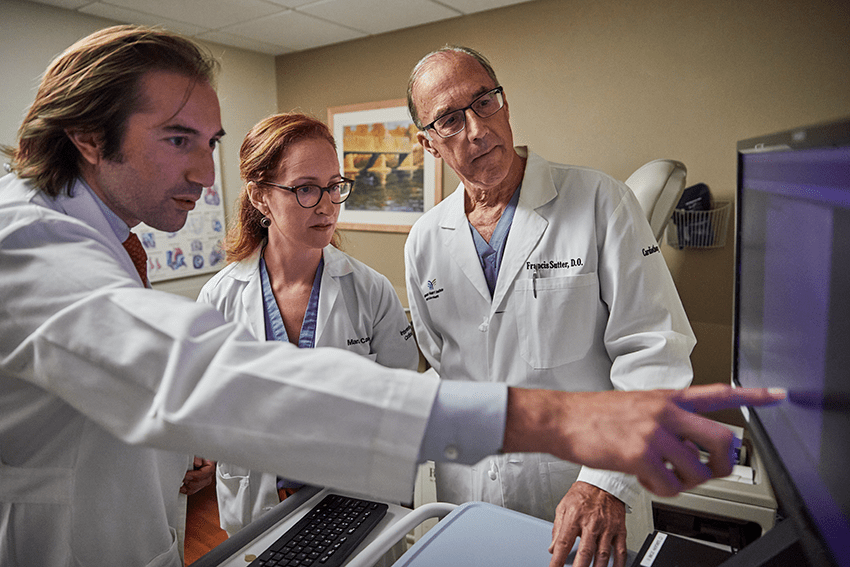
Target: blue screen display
[{"x": 793, "y": 319}]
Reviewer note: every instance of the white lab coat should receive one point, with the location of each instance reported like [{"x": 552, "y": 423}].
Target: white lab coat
[
  {"x": 601, "y": 313},
  {"x": 358, "y": 311},
  {"x": 107, "y": 389}
]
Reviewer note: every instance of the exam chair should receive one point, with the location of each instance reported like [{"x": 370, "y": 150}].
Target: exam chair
[{"x": 658, "y": 185}]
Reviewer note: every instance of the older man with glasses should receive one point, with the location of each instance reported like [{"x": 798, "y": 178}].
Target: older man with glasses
[{"x": 531, "y": 273}]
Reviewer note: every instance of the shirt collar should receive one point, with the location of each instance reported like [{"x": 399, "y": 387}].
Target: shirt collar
[{"x": 118, "y": 226}]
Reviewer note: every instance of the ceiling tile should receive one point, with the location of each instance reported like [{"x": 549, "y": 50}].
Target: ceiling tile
[
  {"x": 209, "y": 14},
  {"x": 67, "y": 4},
  {"x": 279, "y": 26},
  {"x": 295, "y": 31},
  {"x": 470, "y": 6},
  {"x": 243, "y": 42},
  {"x": 292, "y": 3},
  {"x": 379, "y": 16},
  {"x": 133, "y": 17}
]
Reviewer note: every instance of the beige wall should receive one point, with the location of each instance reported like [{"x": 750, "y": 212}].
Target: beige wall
[
  {"x": 613, "y": 85},
  {"x": 31, "y": 35}
]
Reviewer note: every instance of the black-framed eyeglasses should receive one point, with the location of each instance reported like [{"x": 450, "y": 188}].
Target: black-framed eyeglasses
[
  {"x": 308, "y": 196},
  {"x": 454, "y": 122}
]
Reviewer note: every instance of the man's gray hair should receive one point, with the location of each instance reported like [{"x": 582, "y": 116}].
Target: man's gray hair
[{"x": 414, "y": 75}]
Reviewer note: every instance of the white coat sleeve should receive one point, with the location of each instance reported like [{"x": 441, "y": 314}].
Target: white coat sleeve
[
  {"x": 160, "y": 370},
  {"x": 648, "y": 336}
]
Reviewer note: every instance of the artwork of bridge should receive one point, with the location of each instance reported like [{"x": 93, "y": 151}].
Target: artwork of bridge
[{"x": 374, "y": 150}]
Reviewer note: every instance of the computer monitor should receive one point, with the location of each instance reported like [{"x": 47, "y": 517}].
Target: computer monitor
[{"x": 792, "y": 330}]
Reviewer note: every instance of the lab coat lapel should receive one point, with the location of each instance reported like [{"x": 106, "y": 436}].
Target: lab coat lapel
[
  {"x": 336, "y": 265},
  {"x": 252, "y": 293},
  {"x": 252, "y": 297},
  {"x": 457, "y": 240},
  {"x": 528, "y": 225}
]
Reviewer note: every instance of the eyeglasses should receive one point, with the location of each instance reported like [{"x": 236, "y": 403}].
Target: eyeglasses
[
  {"x": 308, "y": 196},
  {"x": 454, "y": 122}
]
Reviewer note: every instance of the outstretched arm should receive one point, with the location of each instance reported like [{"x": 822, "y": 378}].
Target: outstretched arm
[{"x": 652, "y": 434}]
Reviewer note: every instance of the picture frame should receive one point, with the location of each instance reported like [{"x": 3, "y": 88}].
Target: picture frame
[
  {"x": 195, "y": 249},
  {"x": 396, "y": 180}
]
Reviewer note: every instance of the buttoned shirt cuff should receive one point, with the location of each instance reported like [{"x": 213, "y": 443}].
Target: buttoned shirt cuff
[
  {"x": 623, "y": 486},
  {"x": 467, "y": 422}
]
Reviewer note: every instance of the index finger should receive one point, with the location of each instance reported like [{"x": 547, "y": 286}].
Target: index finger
[
  {"x": 715, "y": 397},
  {"x": 560, "y": 553},
  {"x": 564, "y": 535}
]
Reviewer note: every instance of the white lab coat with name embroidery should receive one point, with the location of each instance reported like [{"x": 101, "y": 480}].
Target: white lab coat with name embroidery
[
  {"x": 107, "y": 389},
  {"x": 359, "y": 310},
  {"x": 584, "y": 302}
]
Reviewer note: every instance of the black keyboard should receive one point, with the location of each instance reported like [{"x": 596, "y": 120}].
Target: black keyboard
[{"x": 326, "y": 536}]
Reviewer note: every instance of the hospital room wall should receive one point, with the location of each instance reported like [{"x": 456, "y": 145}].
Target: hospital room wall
[
  {"x": 34, "y": 34},
  {"x": 613, "y": 85}
]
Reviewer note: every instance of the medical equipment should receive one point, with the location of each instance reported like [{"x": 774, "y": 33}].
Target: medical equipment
[{"x": 327, "y": 535}]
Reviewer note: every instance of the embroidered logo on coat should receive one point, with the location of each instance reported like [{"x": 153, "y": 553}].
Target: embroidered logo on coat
[{"x": 433, "y": 292}]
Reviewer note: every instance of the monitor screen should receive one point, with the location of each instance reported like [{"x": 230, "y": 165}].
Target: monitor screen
[{"x": 792, "y": 322}]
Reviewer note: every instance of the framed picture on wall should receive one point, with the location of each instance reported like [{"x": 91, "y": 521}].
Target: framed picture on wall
[
  {"x": 194, "y": 249},
  {"x": 395, "y": 179}
]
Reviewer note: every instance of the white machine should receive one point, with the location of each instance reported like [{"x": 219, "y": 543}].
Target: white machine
[{"x": 730, "y": 512}]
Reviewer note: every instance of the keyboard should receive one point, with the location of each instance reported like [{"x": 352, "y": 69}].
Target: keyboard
[{"x": 326, "y": 536}]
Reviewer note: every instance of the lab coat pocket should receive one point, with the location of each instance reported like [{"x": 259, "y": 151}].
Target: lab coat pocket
[
  {"x": 553, "y": 317},
  {"x": 35, "y": 502},
  {"x": 171, "y": 557},
  {"x": 556, "y": 478},
  {"x": 234, "y": 498}
]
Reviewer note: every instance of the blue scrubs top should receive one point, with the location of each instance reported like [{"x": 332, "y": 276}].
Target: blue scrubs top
[
  {"x": 275, "y": 331},
  {"x": 490, "y": 254}
]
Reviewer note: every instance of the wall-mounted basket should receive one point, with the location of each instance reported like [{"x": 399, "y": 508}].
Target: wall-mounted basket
[{"x": 700, "y": 229}]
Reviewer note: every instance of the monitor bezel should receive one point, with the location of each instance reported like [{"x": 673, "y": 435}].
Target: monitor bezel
[
  {"x": 791, "y": 503},
  {"x": 833, "y": 134}
]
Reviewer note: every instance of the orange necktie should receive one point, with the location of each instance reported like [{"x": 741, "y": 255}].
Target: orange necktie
[{"x": 138, "y": 256}]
